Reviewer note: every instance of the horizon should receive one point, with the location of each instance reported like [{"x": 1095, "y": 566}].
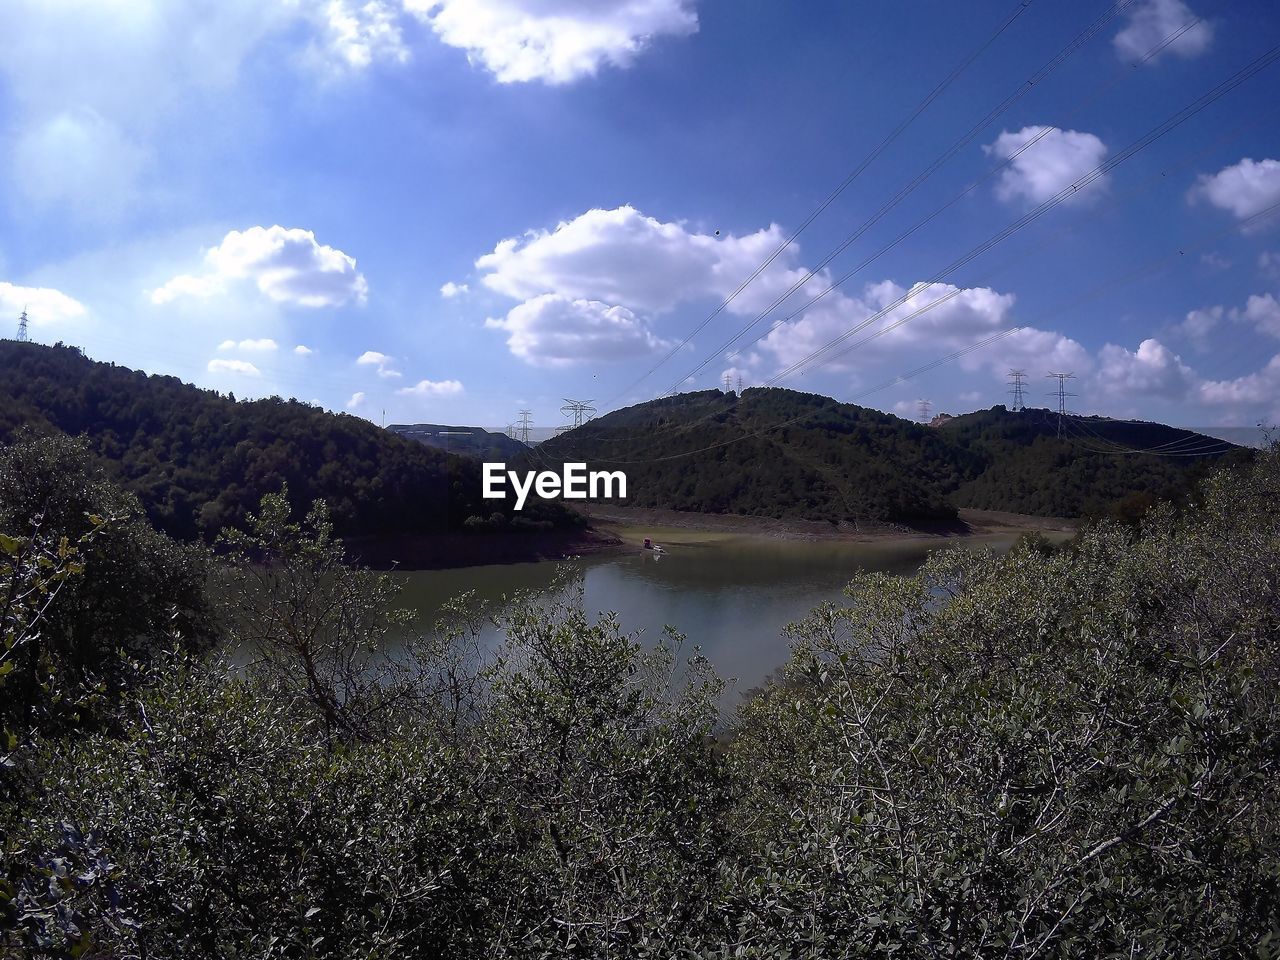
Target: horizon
[{"x": 444, "y": 212}]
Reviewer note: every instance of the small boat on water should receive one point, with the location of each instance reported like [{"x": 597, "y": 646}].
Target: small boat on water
[{"x": 650, "y": 545}]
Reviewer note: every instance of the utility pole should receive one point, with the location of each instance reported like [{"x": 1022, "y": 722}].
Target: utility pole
[
  {"x": 523, "y": 428},
  {"x": 22, "y": 326},
  {"x": 924, "y": 406},
  {"x": 580, "y": 410},
  {"x": 1062, "y": 394},
  {"x": 1017, "y": 380}
]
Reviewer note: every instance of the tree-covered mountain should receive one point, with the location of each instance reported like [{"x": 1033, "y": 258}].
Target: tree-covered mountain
[
  {"x": 780, "y": 453},
  {"x": 465, "y": 441},
  {"x": 199, "y": 461}
]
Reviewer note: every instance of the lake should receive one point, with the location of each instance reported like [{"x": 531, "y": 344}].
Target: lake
[{"x": 729, "y": 594}]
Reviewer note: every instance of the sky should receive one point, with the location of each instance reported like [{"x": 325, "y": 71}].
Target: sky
[{"x": 451, "y": 210}]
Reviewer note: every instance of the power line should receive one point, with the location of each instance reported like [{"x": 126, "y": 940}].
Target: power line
[
  {"x": 580, "y": 410},
  {"x": 1101, "y": 170},
  {"x": 964, "y": 351},
  {"x": 906, "y": 190},
  {"x": 1017, "y": 379},
  {"x": 1062, "y": 394},
  {"x": 841, "y": 187}
]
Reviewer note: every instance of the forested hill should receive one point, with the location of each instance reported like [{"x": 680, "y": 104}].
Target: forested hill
[
  {"x": 199, "y": 461},
  {"x": 464, "y": 441},
  {"x": 780, "y": 453}
]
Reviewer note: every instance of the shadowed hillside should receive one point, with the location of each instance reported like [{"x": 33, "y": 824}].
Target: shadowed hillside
[
  {"x": 199, "y": 461},
  {"x": 780, "y": 453}
]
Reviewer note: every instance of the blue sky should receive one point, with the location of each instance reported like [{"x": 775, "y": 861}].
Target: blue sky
[{"x": 451, "y": 210}]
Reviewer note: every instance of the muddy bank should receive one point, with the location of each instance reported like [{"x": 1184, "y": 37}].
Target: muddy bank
[{"x": 631, "y": 521}]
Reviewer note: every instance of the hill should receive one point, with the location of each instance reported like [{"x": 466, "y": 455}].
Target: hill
[
  {"x": 464, "y": 441},
  {"x": 199, "y": 461},
  {"x": 781, "y": 453}
]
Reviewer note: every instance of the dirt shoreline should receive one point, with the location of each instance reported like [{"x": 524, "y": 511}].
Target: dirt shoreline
[
  {"x": 617, "y": 529},
  {"x": 971, "y": 523}
]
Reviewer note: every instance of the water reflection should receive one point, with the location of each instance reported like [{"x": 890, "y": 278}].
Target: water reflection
[{"x": 732, "y": 597}]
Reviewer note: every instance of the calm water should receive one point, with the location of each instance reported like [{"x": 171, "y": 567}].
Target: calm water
[{"x": 730, "y": 596}]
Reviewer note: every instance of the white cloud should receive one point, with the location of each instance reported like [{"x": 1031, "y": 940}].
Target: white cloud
[
  {"x": 44, "y": 305},
  {"x": 449, "y": 290},
  {"x": 286, "y": 265},
  {"x": 432, "y": 388},
  {"x": 1263, "y": 312},
  {"x": 1153, "y": 370},
  {"x": 623, "y": 257},
  {"x": 556, "y": 41},
  {"x": 359, "y": 33},
  {"x": 255, "y": 346},
  {"x": 970, "y": 396},
  {"x": 1262, "y": 387},
  {"x": 372, "y": 358},
  {"x": 1198, "y": 324},
  {"x": 244, "y": 367},
  {"x": 556, "y": 331},
  {"x": 1243, "y": 189},
  {"x": 1269, "y": 263},
  {"x": 303, "y": 351},
  {"x": 949, "y": 317},
  {"x": 356, "y": 400},
  {"x": 1152, "y": 21},
  {"x": 1046, "y": 168}
]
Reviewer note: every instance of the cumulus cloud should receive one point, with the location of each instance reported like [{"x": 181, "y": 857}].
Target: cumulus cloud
[
  {"x": 1055, "y": 162},
  {"x": 1269, "y": 264},
  {"x": 258, "y": 346},
  {"x": 44, "y": 305},
  {"x": 286, "y": 265},
  {"x": 372, "y": 358},
  {"x": 555, "y": 41},
  {"x": 358, "y": 33},
  {"x": 449, "y": 290},
  {"x": 1152, "y": 21},
  {"x": 940, "y": 315},
  {"x": 1153, "y": 370},
  {"x": 432, "y": 388},
  {"x": 356, "y": 400},
  {"x": 1198, "y": 324},
  {"x": 1243, "y": 189},
  {"x": 1251, "y": 390},
  {"x": 557, "y": 331},
  {"x": 243, "y": 367},
  {"x": 303, "y": 351},
  {"x": 1263, "y": 313},
  {"x": 622, "y": 256}
]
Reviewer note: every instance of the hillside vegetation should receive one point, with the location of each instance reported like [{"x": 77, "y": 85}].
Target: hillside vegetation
[
  {"x": 474, "y": 442},
  {"x": 198, "y": 461},
  {"x": 1058, "y": 752},
  {"x": 780, "y": 453}
]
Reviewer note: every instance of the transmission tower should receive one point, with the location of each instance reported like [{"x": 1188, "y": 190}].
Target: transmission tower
[
  {"x": 728, "y": 383},
  {"x": 522, "y": 428},
  {"x": 1017, "y": 380},
  {"x": 739, "y": 384},
  {"x": 22, "y": 326},
  {"x": 580, "y": 410},
  {"x": 1062, "y": 394},
  {"x": 924, "y": 406}
]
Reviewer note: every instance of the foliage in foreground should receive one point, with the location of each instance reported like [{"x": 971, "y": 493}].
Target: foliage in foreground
[{"x": 1065, "y": 753}]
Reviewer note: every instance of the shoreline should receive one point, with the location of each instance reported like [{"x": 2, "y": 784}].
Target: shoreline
[{"x": 617, "y": 528}]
